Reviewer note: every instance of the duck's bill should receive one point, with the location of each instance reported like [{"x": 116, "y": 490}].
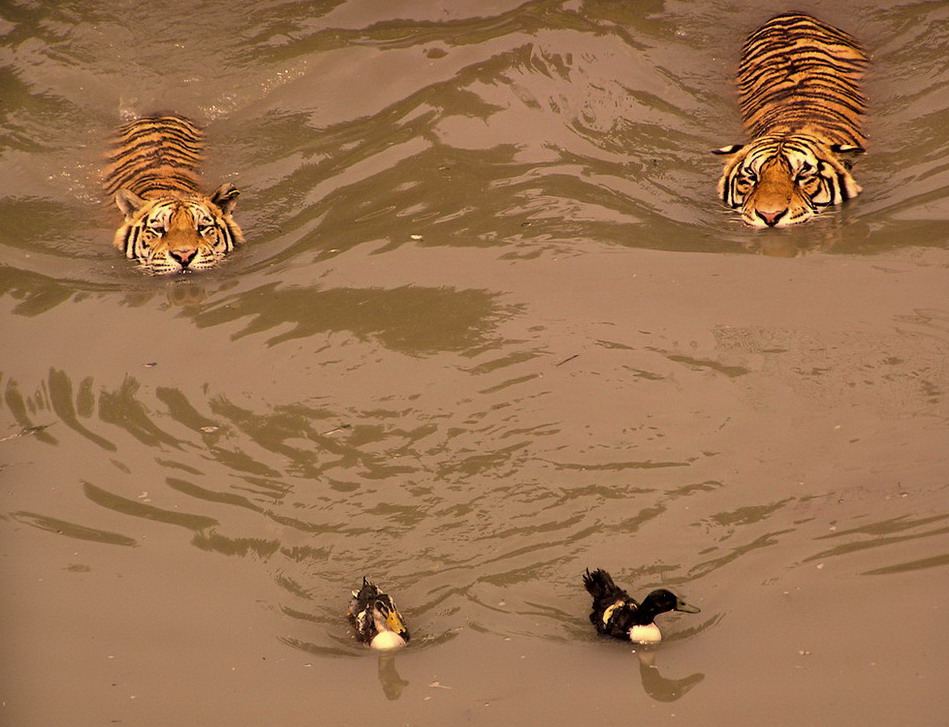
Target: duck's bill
[
  {"x": 395, "y": 623},
  {"x": 687, "y": 608}
]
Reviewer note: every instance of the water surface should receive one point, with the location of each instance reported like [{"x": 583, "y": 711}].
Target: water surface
[{"x": 491, "y": 327}]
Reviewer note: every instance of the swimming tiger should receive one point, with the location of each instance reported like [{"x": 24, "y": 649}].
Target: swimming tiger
[
  {"x": 801, "y": 105},
  {"x": 170, "y": 226}
]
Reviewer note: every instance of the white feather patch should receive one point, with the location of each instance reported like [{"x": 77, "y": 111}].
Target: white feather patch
[
  {"x": 649, "y": 634},
  {"x": 387, "y": 640}
]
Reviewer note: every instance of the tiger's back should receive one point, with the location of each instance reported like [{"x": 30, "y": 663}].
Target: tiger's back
[
  {"x": 169, "y": 225},
  {"x": 800, "y": 100},
  {"x": 799, "y": 74}
]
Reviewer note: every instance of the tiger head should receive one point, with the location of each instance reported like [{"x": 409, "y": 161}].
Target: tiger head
[
  {"x": 178, "y": 231},
  {"x": 777, "y": 181}
]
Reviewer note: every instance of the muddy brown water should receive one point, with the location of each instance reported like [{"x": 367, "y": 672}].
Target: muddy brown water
[{"x": 491, "y": 328}]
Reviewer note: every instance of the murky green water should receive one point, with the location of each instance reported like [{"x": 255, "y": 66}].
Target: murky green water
[{"x": 491, "y": 327}]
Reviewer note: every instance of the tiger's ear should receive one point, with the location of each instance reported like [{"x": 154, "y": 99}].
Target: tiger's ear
[
  {"x": 734, "y": 148},
  {"x": 847, "y": 149},
  {"x": 225, "y": 197},
  {"x": 128, "y": 202}
]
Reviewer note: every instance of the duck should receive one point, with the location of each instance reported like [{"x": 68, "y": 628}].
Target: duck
[
  {"x": 375, "y": 618},
  {"x": 617, "y": 614}
]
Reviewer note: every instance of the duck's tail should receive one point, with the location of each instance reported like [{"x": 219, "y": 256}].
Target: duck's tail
[
  {"x": 368, "y": 590},
  {"x": 599, "y": 584},
  {"x": 362, "y": 598}
]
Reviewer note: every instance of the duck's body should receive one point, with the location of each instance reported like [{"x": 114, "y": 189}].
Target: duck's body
[
  {"x": 375, "y": 618},
  {"x": 615, "y": 613}
]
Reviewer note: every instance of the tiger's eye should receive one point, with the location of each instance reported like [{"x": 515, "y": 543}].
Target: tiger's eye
[{"x": 806, "y": 173}]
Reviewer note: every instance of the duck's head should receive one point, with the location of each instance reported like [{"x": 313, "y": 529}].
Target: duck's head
[
  {"x": 661, "y": 601},
  {"x": 644, "y": 629},
  {"x": 391, "y": 631}
]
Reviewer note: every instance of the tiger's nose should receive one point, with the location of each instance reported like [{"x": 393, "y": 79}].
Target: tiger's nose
[
  {"x": 183, "y": 256},
  {"x": 771, "y": 218}
]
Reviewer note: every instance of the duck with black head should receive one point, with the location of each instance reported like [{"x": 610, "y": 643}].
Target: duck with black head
[{"x": 615, "y": 613}]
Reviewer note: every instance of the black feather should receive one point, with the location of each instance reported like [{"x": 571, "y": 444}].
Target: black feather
[{"x": 607, "y": 595}]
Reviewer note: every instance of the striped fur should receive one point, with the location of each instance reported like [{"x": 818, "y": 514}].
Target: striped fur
[
  {"x": 801, "y": 104},
  {"x": 169, "y": 226}
]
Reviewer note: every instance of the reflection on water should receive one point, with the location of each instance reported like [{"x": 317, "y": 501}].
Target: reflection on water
[
  {"x": 884, "y": 534},
  {"x": 490, "y": 325},
  {"x": 659, "y": 687},
  {"x": 410, "y": 319},
  {"x": 392, "y": 684},
  {"x": 71, "y": 530}
]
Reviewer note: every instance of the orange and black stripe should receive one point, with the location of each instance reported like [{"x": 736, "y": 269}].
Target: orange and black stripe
[
  {"x": 798, "y": 73},
  {"x": 155, "y": 155}
]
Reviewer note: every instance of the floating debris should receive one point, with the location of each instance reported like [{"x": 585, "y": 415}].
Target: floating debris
[
  {"x": 25, "y": 432},
  {"x": 337, "y": 429}
]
